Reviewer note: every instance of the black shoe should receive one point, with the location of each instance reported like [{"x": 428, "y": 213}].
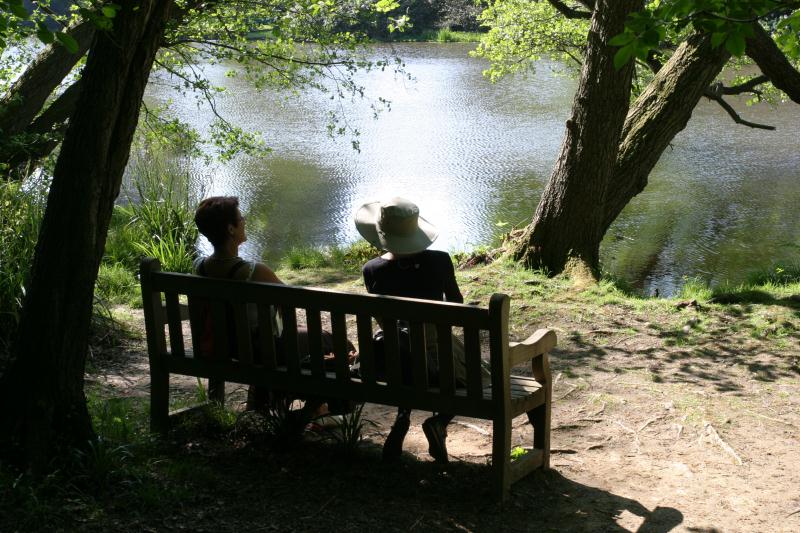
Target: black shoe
[
  {"x": 436, "y": 433},
  {"x": 393, "y": 446}
]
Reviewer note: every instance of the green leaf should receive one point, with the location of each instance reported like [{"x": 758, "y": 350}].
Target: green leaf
[
  {"x": 68, "y": 42},
  {"x": 19, "y": 10},
  {"x": 622, "y": 39},
  {"x": 623, "y": 55},
  {"x": 735, "y": 44},
  {"x": 44, "y": 35},
  {"x": 717, "y": 39},
  {"x": 109, "y": 12}
]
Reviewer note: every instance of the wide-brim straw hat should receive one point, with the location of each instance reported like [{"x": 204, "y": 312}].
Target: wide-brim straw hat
[{"x": 395, "y": 225}]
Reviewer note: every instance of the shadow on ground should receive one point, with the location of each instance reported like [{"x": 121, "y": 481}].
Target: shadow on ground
[{"x": 314, "y": 488}]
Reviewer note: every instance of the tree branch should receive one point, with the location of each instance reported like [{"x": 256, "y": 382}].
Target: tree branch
[
  {"x": 29, "y": 93},
  {"x": 570, "y": 12},
  {"x": 773, "y": 63},
  {"x": 717, "y": 97},
  {"x": 747, "y": 87}
]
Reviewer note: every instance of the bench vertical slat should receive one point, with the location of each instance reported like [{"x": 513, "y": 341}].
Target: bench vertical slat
[
  {"x": 290, "y": 347},
  {"x": 339, "y": 331},
  {"x": 540, "y": 416},
  {"x": 196, "y": 306},
  {"x": 314, "y": 327},
  {"x": 392, "y": 352},
  {"x": 366, "y": 355},
  {"x": 174, "y": 324},
  {"x": 219, "y": 324},
  {"x": 447, "y": 377},
  {"x": 472, "y": 357},
  {"x": 156, "y": 346},
  {"x": 266, "y": 337},
  {"x": 244, "y": 342},
  {"x": 419, "y": 356},
  {"x": 501, "y": 394}
]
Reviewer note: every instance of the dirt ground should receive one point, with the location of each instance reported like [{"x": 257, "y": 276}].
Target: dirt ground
[{"x": 649, "y": 434}]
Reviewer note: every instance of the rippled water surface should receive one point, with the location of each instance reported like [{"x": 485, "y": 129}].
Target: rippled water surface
[{"x": 722, "y": 201}]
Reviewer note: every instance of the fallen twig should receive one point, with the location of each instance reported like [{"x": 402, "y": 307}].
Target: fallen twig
[
  {"x": 322, "y": 508},
  {"x": 659, "y": 417},
  {"x": 474, "y": 427},
  {"x": 771, "y": 419},
  {"x": 712, "y": 433},
  {"x": 563, "y": 450},
  {"x": 598, "y": 444},
  {"x": 570, "y": 391},
  {"x": 599, "y": 411},
  {"x": 590, "y": 419},
  {"x": 629, "y": 337},
  {"x": 793, "y": 512}
]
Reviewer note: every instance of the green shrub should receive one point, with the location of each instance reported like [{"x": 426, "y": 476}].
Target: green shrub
[
  {"x": 116, "y": 284},
  {"x": 21, "y": 211}
]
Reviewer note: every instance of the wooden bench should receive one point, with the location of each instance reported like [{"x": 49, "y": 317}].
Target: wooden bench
[{"x": 507, "y": 397}]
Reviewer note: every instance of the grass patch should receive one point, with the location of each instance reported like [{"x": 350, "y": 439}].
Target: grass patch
[{"x": 347, "y": 258}]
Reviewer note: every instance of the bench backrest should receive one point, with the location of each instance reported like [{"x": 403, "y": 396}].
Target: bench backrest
[{"x": 166, "y": 342}]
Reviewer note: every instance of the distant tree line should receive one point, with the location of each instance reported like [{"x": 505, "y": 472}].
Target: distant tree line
[{"x": 459, "y": 15}]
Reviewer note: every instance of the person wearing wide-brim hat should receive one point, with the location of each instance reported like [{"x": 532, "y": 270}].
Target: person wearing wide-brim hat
[{"x": 408, "y": 268}]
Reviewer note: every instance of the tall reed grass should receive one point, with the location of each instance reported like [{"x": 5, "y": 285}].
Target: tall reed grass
[{"x": 157, "y": 219}]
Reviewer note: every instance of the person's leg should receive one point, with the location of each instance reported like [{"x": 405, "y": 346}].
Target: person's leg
[
  {"x": 393, "y": 446},
  {"x": 435, "y": 429}
]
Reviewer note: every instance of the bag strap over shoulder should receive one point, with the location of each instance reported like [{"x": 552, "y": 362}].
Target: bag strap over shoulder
[{"x": 235, "y": 268}]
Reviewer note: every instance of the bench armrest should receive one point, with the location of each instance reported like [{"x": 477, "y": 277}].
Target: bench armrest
[{"x": 541, "y": 342}]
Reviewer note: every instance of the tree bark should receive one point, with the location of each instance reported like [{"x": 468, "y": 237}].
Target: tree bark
[
  {"x": 41, "y": 391},
  {"x": 660, "y": 113},
  {"x": 567, "y": 223},
  {"x": 773, "y": 63}
]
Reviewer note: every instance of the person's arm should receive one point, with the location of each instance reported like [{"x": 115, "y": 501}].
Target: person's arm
[
  {"x": 451, "y": 291},
  {"x": 263, "y": 273}
]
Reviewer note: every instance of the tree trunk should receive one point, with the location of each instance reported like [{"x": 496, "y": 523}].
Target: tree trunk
[
  {"x": 567, "y": 223},
  {"x": 41, "y": 391},
  {"x": 660, "y": 113}
]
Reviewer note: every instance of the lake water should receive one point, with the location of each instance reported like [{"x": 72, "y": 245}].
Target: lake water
[{"x": 721, "y": 203}]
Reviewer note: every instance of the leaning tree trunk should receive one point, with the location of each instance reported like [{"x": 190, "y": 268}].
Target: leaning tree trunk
[
  {"x": 658, "y": 115},
  {"x": 41, "y": 392},
  {"x": 567, "y": 223}
]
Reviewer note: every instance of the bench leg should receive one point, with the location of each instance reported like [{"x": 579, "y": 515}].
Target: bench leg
[
  {"x": 216, "y": 391},
  {"x": 159, "y": 401},
  {"x": 540, "y": 420},
  {"x": 501, "y": 457}
]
